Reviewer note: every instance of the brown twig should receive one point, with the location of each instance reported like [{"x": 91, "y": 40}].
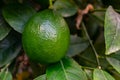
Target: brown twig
[{"x": 88, "y": 8}]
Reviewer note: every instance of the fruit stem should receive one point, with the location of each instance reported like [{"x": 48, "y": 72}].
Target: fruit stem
[
  {"x": 50, "y": 4},
  {"x": 96, "y": 54}
]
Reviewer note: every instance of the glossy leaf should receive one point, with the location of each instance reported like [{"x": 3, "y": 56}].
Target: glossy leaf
[
  {"x": 41, "y": 77},
  {"x": 5, "y": 75},
  {"x": 89, "y": 74},
  {"x": 77, "y": 45},
  {"x": 9, "y": 48},
  {"x": 65, "y": 7},
  {"x": 4, "y": 29},
  {"x": 115, "y": 63},
  {"x": 112, "y": 31},
  {"x": 17, "y": 15},
  {"x": 116, "y": 55},
  {"x": 99, "y": 74},
  {"x": 66, "y": 69}
]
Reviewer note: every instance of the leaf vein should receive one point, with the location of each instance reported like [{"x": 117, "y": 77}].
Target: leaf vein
[{"x": 64, "y": 70}]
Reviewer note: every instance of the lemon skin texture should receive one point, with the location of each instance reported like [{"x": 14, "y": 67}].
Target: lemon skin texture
[{"x": 46, "y": 37}]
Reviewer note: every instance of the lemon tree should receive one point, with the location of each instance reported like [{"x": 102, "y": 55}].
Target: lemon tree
[{"x": 59, "y": 40}]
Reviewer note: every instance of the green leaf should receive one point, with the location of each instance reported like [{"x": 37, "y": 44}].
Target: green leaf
[
  {"x": 115, "y": 63},
  {"x": 9, "y": 48},
  {"x": 86, "y": 60},
  {"x": 89, "y": 74},
  {"x": 17, "y": 15},
  {"x": 41, "y": 77},
  {"x": 4, "y": 29},
  {"x": 77, "y": 45},
  {"x": 99, "y": 74},
  {"x": 112, "y": 31},
  {"x": 5, "y": 75},
  {"x": 116, "y": 55},
  {"x": 65, "y": 7},
  {"x": 66, "y": 69}
]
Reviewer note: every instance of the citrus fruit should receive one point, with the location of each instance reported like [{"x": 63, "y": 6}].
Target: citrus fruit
[{"x": 46, "y": 37}]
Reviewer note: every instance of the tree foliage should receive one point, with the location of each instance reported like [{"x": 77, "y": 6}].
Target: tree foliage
[{"x": 94, "y": 51}]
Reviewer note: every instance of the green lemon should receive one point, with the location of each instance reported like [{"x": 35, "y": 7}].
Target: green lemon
[{"x": 46, "y": 37}]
